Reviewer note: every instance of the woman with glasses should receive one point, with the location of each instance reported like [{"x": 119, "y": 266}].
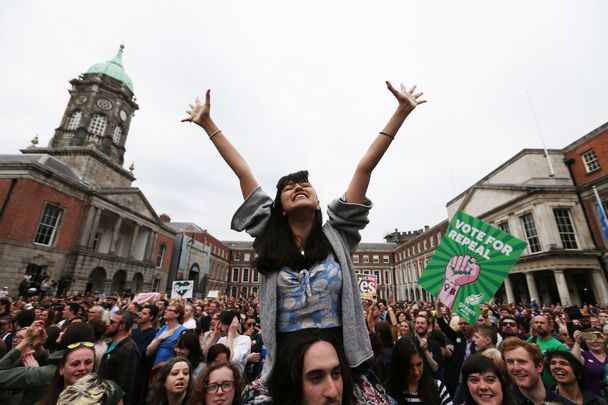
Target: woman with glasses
[
  {"x": 219, "y": 384},
  {"x": 173, "y": 384},
  {"x": 570, "y": 376},
  {"x": 307, "y": 275},
  {"x": 594, "y": 360},
  {"x": 483, "y": 382}
]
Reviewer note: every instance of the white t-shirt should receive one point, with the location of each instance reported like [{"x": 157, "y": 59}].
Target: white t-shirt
[
  {"x": 190, "y": 324},
  {"x": 241, "y": 347}
]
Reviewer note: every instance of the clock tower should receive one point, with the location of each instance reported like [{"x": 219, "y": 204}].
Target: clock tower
[{"x": 95, "y": 125}]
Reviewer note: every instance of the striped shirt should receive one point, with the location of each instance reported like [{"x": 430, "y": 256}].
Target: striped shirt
[{"x": 408, "y": 398}]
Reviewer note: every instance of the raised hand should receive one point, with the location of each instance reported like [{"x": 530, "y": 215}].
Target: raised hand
[
  {"x": 406, "y": 98},
  {"x": 462, "y": 270},
  {"x": 199, "y": 113}
]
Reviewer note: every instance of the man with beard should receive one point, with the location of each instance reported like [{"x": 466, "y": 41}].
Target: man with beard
[
  {"x": 119, "y": 362},
  {"x": 206, "y": 320},
  {"x": 432, "y": 350},
  {"x": 525, "y": 364},
  {"x": 545, "y": 341},
  {"x": 508, "y": 327},
  {"x": 143, "y": 335}
]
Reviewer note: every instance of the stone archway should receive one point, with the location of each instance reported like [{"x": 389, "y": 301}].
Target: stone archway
[
  {"x": 193, "y": 275},
  {"x": 137, "y": 283},
  {"x": 97, "y": 280},
  {"x": 118, "y": 281}
]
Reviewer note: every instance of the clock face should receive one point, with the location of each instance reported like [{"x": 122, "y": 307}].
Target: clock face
[
  {"x": 81, "y": 99},
  {"x": 123, "y": 115},
  {"x": 104, "y": 104}
]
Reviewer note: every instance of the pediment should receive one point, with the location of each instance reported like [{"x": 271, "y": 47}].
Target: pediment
[{"x": 130, "y": 199}]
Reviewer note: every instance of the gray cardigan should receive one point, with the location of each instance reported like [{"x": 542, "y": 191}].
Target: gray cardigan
[{"x": 342, "y": 231}]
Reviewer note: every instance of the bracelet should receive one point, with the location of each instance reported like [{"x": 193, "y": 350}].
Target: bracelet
[
  {"x": 215, "y": 133},
  {"x": 389, "y": 135}
]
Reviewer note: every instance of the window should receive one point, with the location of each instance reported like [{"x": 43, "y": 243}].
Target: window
[
  {"x": 245, "y": 275},
  {"x": 355, "y": 258},
  {"x": 161, "y": 254},
  {"x": 376, "y": 259},
  {"x": 233, "y": 292},
  {"x": 590, "y": 161},
  {"x": 117, "y": 135},
  {"x": 565, "y": 228},
  {"x": 419, "y": 250},
  {"x": 386, "y": 259},
  {"x": 246, "y": 257},
  {"x": 97, "y": 125},
  {"x": 236, "y": 256},
  {"x": 432, "y": 241},
  {"x": 47, "y": 228},
  {"x": 377, "y": 274},
  {"x": 504, "y": 226},
  {"x": 424, "y": 244},
  {"x": 365, "y": 259},
  {"x": 235, "y": 275},
  {"x": 255, "y": 276},
  {"x": 387, "y": 276},
  {"x": 531, "y": 234},
  {"x": 254, "y": 291},
  {"x": 438, "y": 237},
  {"x": 96, "y": 240},
  {"x": 74, "y": 120},
  {"x": 156, "y": 284}
]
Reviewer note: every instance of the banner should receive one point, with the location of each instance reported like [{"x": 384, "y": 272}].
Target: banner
[
  {"x": 182, "y": 289},
  {"x": 470, "y": 264},
  {"x": 367, "y": 286}
]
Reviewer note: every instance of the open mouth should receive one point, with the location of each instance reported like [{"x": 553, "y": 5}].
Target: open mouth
[{"x": 299, "y": 195}]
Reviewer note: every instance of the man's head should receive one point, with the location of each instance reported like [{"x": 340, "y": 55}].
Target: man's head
[
  {"x": 188, "y": 311},
  {"x": 508, "y": 326},
  {"x": 542, "y": 326},
  {"x": 147, "y": 314},
  {"x": 421, "y": 326},
  {"x": 603, "y": 317},
  {"x": 485, "y": 337},
  {"x": 111, "y": 302},
  {"x": 226, "y": 318},
  {"x": 212, "y": 308},
  {"x": 95, "y": 313},
  {"x": 173, "y": 312},
  {"x": 524, "y": 362},
  {"x": 71, "y": 311},
  {"x": 120, "y": 323},
  {"x": 310, "y": 370},
  {"x": 162, "y": 304},
  {"x": 134, "y": 308}
]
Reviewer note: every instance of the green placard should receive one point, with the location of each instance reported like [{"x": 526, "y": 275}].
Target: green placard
[{"x": 470, "y": 264}]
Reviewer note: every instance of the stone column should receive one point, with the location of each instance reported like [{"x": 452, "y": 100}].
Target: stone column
[
  {"x": 85, "y": 231},
  {"x": 115, "y": 234},
  {"x": 532, "y": 291},
  {"x": 509, "y": 290},
  {"x": 133, "y": 241},
  {"x": 600, "y": 290},
  {"x": 148, "y": 249},
  {"x": 94, "y": 227},
  {"x": 562, "y": 287}
]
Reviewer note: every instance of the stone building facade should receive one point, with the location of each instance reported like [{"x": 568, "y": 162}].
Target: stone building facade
[{"x": 68, "y": 210}]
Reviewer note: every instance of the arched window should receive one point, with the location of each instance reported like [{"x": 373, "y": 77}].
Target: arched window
[
  {"x": 98, "y": 125},
  {"x": 117, "y": 135},
  {"x": 233, "y": 292},
  {"x": 74, "y": 120}
]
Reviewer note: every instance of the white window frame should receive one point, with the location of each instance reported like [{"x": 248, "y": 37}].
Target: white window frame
[
  {"x": 98, "y": 125},
  {"x": 356, "y": 259},
  {"x": 247, "y": 257},
  {"x": 235, "y": 274},
  {"x": 590, "y": 161},
  {"x": 565, "y": 228},
  {"x": 378, "y": 275},
  {"x": 74, "y": 120},
  {"x": 48, "y": 225},
  {"x": 236, "y": 256},
  {"x": 162, "y": 249},
  {"x": 387, "y": 277},
  {"x": 386, "y": 259},
  {"x": 531, "y": 233},
  {"x": 376, "y": 259},
  {"x": 245, "y": 272},
  {"x": 255, "y": 276},
  {"x": 365, "y": 259},
  {"x": 117, "y": 135}
]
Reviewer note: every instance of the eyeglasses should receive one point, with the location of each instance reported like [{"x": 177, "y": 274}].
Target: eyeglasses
[
  {"x": 511, "y": 324},
  {"x": 170, "y": 309},
  {"x": 562, "y": 363},
  {"x": 250, "y": 324},
  {"x": 79, "y": 344},
  {"x": 226, "y": 386}
]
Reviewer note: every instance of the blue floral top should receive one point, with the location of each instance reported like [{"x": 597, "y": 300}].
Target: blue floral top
[{"x": 310, "y": 298}]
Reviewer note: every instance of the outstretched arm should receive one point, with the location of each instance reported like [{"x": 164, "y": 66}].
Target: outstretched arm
[
  {"x": 408, "y": 100},
  {"x": 200, "y": 114}
]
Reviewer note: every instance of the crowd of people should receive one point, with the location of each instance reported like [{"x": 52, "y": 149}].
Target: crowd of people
[{"x": 108, "y": 350}]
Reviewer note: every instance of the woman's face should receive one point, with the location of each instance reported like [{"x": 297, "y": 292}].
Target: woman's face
[
  {"x": 416, "y": 369},
  {"x": 182, "y": 351},
  {"x": 79, "y": 363},
  {"x": 402, "y": 317},
  {"x": 297, "y": 196},
  {"x": 220, "y": 388},
  {"x": 178, "y": 378},
  {"x": 485, "y": 388},
  {"x": 561, "y": 370},
  {"x": 597, "y": 343},
  {"x": 404, "y": 329}
]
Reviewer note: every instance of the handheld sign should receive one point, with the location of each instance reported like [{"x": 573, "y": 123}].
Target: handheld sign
[
  {"x": 470, "y": 264},
  {"x": 182, "y": 289},
  {"x": 367, "y": 286}
]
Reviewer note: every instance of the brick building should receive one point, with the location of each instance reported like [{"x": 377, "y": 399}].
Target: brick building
[{"x": 68, "y": 210}]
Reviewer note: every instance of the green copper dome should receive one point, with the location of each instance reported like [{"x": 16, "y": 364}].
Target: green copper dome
[{"x": 114, "y": 69}]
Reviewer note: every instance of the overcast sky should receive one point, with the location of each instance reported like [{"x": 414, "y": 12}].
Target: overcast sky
[{"x": 300, "y": 85}]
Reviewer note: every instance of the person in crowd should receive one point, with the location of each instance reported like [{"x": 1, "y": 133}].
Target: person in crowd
[
  {"x": 189, "y": 321},
  {"x": 255, "y": 360},
  {"x": 227, "y": 334},
  {"x": 173, "y": 384},
  {"x": 100, "y": 329},
  {"x": 405, "y": 329},
  {"x": 483, "y": 382},
  {"x": 594, "y": 360},
  {"x": 91, "y": 389},
  {"x": 95, "y": 313},
  {"x": 373, "y": 316},
  {"x": 47, "y": 315},
  {"x": 431, "y": 349},
  {"x": 218, "y": 352},
  {"x": 410, "y": 381},
  {"x": 207, "y": 336},
  {"x": 508, "y": 326},
  {"x": 163, "y": 344},
  {"x": 220, "y": 383},
  {"x": 143, "y": 335},
  {"x": 543, "y": 338},
  {"x": 187, "y": 346},
  {"x": 310, "y": 369},
  {"x": 570, "y": 376},
  {"x": 70, "y": 311},
  {"x": 206, "y": 320},
  {"x": 112, "y": 304},
  {"x": 120, "y": 360},
  {"x": 382, "y": 343},
  {"x": 484, "y": 337},
  {"x": 162, "y": 304},
  {"x": 289, "y": 236},
  {"x": 525, "y": 365}
]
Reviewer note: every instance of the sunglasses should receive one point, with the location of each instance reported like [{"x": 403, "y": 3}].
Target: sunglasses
[
  {"x": 511, "y": 324},
  {"x": 80, "y": 344},
  {"x": 250, "y": 324}
]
